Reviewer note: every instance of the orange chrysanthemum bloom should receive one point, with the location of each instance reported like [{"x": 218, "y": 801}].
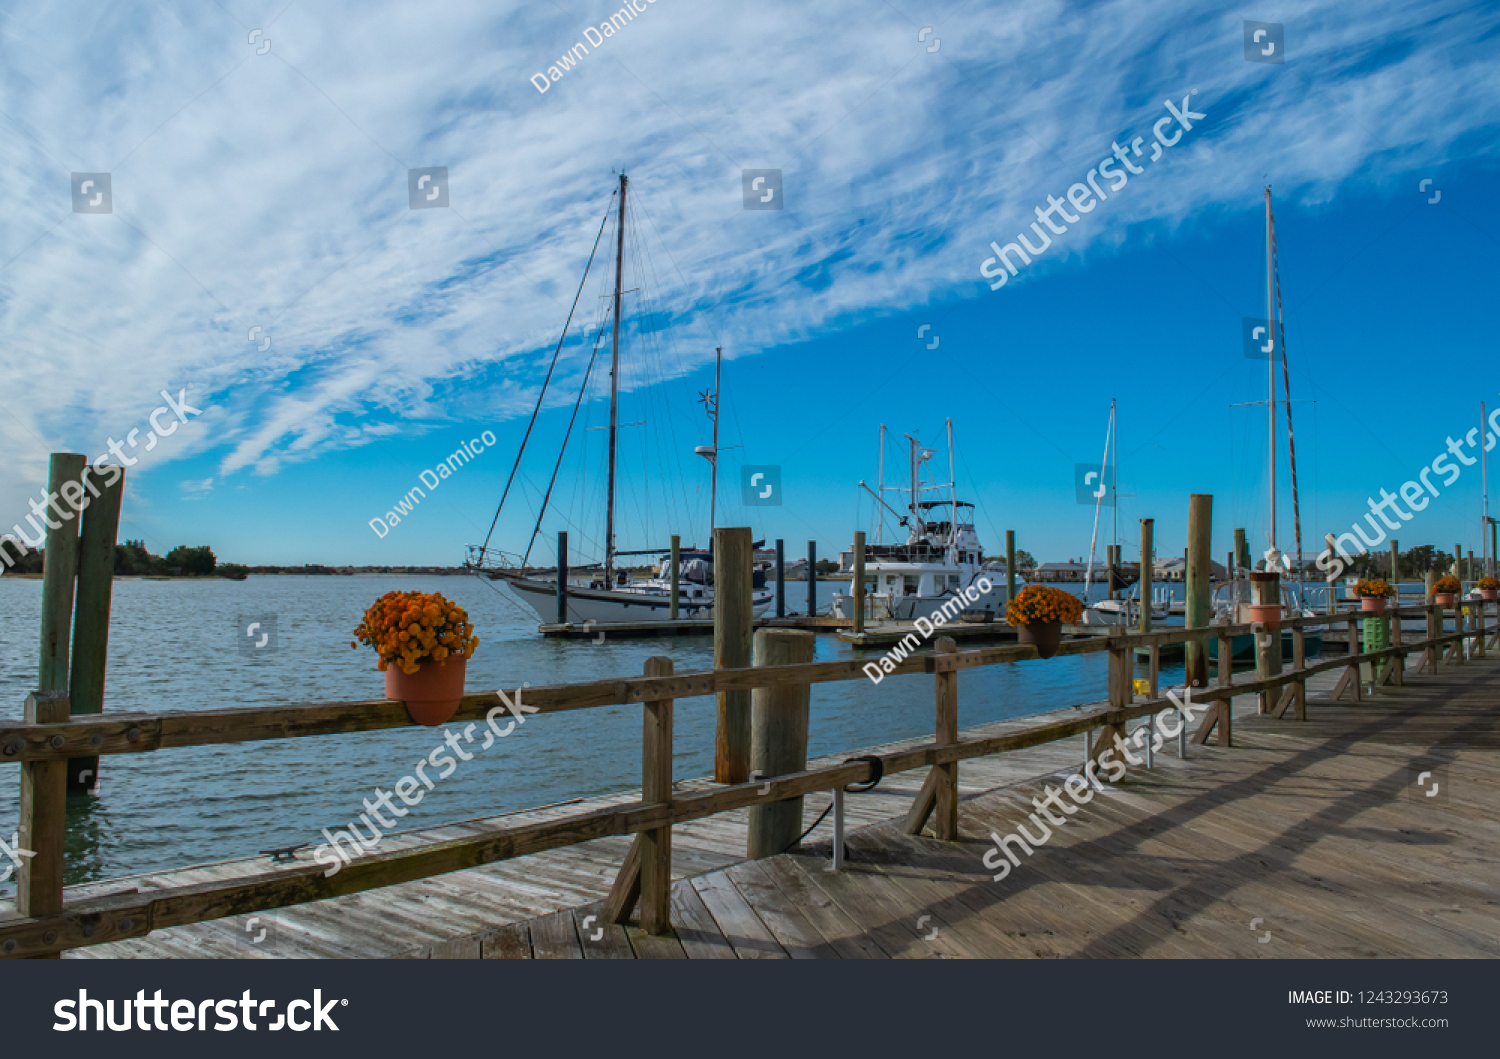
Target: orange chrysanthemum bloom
[{"x": 407, "y": 629}]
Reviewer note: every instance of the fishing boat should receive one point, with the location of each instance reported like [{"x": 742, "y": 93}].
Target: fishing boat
[
  {"x": 940, "y": 558},
  {"x": 605, "y": 591},
  {"x": 1232, "y": 599}
]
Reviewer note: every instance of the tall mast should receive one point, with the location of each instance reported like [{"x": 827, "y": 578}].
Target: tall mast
[
  {"x": 713, "y": 480},
  {"x": 880, "y": 526},
  {"x": 1484, "y": 470},
  {"x": 614, "y": 395},
  {"x": 1271, "y": 365}
]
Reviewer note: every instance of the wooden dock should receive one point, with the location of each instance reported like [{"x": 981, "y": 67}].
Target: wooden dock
[
  {"x": 1306, "y": 840},
  {"x": 609, "y": 630},
  {"x": 1310, "y": 827}
]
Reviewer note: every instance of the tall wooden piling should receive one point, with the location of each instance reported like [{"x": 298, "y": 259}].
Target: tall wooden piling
[
  {"x": 812, "y": 578},
  {"x": 1199, "y": 573},
  {"x": 780, "y": 578},
  {"x": 1010, "y": 565},
  {"x": 676, "y": 572},
  {"x": 59, "y": 576},
  {"x": 733, "y": 618},
  {"x": 1331, "y": 604},
  {"x": 96, "y": 572},
  {"x": 945, "y": 776},
  {"x": 1265, "y": 591},
  {"x": 562, "y": 577},
  {"x": 1241, "y": 552},
  {"x": 858, "y": 587},
  {"x": 1396, "y": 568},
  {"x": 778, "y": 745},
  {"x": 1147, "y": 558},
  {"x": 1458, "y": 561}
]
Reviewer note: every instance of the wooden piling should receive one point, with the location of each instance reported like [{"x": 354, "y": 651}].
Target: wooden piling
[
  {"x": 733, "y": 619},
  {"x": 562, "y": 578},
  {"x": 858, "y": 586},
  {"x": 1265, "y": 591},
  {"x": 780, "y": 579},
  {"x": 59, "y": 575},
  {"x": 1010, "y": 565},
  {"x": 1241, "y": 552},
  {"x": 812, "y": 578},
  {"x": 1330, "y": 605},
  {"x": 778, "y": 740},
  {"x": 677, "y": 571},
  {"x": 96, "y": 573},
  {"x": 1199, "y": 571},
  {"x": 1396, "y": 569},
  {"x": 1148, "y": 554}
]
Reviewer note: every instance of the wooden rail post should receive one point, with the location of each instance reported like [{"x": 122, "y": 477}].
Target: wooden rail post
[
  {"x": 1010, "y": 567},
  {"x": 1398, "y": 660},
  {"x": 1459, "y": 626},
  {"x": 733, "y": 623},
  {"x": 778, "y": 742},
  {"x": 1352, "y": 673},
  {"x": 646, "y": 874},
  {"x": 1299, "y": 665},
  {"x": 656, "y": 788},
  {"x": 1478, "y": 608},
  {"x": 1222, "y": 716},
  {"x": 858, "y": 588},
  {"x": 945, "y": 817},
  {"x": 1265, "y": 589},
  {"x": 780, "y": 578},
  {"x": 43, "y": 827},
  {"x": 677, "y": 573},
  {"x": 1121, "y": 671},
  {"x": 1199, "y": 571},
  {"x": 96, "y": 577},
  {"x": 562, "y": 578},
  {"x": 1434, "y": 630}
]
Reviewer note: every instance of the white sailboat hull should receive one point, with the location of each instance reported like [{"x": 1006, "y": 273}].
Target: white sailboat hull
[{"x": 604, "y": 606}]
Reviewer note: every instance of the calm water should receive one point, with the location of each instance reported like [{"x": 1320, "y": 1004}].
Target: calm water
[{"x": 179, "y": 645}]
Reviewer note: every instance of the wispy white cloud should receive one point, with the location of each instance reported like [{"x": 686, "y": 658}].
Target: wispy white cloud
[{"x": 269, "y": 190}]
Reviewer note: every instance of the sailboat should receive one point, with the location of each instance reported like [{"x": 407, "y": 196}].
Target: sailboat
[
  {"x": 604, "y": 592},
  {"x": 940, "y": 557},
  {"x": 1232, "y": 598},
  {"x": 1112, "y": 611}
]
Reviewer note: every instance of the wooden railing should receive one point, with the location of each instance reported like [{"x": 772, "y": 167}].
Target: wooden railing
[{"x": 49, "y": 737}]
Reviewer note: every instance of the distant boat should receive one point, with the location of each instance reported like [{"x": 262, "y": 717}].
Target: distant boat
[
  {"x": 609, "y": 594},
  {"x": 940, "y": 558}
]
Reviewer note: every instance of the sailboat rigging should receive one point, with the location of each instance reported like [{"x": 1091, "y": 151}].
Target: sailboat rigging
[{"x": 614, "y": 596}]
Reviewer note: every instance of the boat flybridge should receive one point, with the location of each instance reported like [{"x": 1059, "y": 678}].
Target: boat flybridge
[{"x": 940, "y": 558}]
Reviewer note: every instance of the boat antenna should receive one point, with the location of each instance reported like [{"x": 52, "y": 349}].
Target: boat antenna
[
  {"x": 614, "y": 395},
  {"x": 710, "y": 401},
  {"x": 545, "y": 382}
]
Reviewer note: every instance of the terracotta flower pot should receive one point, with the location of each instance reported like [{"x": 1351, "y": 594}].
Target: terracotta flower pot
[
  {"x": 1044, "y": 636},
  {"x": 1490, "y": 594},
  {"x": 1444, "y": 599},
  {"x": 432, "y": 693},
  {"x": 1269, "y": 613},
  {"x": 1372, "y": 605}
]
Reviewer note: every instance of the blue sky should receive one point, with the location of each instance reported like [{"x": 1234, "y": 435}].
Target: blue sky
[{"x": 268, "y": 188}]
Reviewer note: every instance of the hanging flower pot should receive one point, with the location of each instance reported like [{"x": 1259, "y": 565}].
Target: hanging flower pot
[
  {"x": 1445, "y": 591},
  {"x": 432, "y": 693},
  {"x": 1268, "y": 613},
  {"x": 1372, "y": 605},
  {"x": 1445, "y": 599},
  {"x": 1045, "y": 636},
  {"x": 1489, "y": 588},
  {"x": 423, "y": 644},
  {"x": 1038, "y": 613}
]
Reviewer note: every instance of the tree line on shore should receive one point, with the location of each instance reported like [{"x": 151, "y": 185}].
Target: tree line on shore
[{"x": 134, "y": 559}]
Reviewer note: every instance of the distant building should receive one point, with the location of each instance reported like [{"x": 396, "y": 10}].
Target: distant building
[{"x": 1174, "y": 569}]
